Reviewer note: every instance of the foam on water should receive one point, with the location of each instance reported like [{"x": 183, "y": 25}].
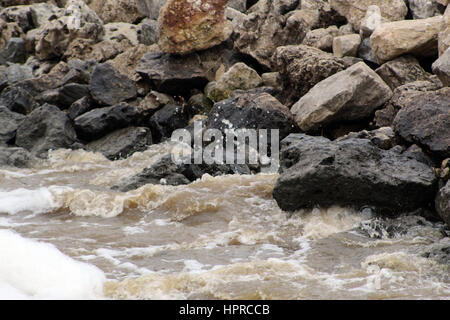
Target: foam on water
[
  {"x": 24, "y": 200},
  {"x": 36, "y": 270}
]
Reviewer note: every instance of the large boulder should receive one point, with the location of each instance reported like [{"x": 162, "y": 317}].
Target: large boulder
[
  {"x": 164, "y": 121},
  {"x": 443, "y": 203},
  {"x": 441, "y": 68},
  {"x": 172, "y": 74},
  {"x": 416, "y": 37},
  {"x": 44, "y": 129},
  {"x": 122, "y": 143},
  {"x": 425, "y": 120},
  {"x": 355, "y": 10},
  {"x": 267, "y": 26},
  {"x": 9, "y": 122},
  {"x": 402, "y": 70},
  {"x": 109, "y": 87},
  {"x": 252, "y": 111},
  {"x": 348, "y": 95},
  {"x": 351, "y": 172},
  {"x": 186, "y": 26},
  {"x": 302, "y": 67},
  {"x": 96, "y": 123}
]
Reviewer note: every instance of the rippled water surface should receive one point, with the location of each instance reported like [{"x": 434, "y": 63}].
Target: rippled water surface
[{"x": 65, "y": 234}]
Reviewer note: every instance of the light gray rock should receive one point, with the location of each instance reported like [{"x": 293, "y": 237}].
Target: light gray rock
[
  {"x": 321, "y": 38},
  {"x": 14, "y": 157},
  {"x": 422, "y": 9},
  {"x": 347, "y": 45},
  {"x": 441, "y": 68},
  {"x": 371, "y": 21},
  {"x": 150, "y": 8},
  {"x": 351, "y": 94}
]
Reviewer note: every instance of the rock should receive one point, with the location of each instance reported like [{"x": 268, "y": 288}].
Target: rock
[
  {"x": 240, "y": 5},
  {"x": 425, "y": 120},
  {"x": 200, "y": 104},
  {"x": 441, "y": 68},
  {"x": 385, "y": 117},
  {"x": 44, "y": 129},
  {"x": 272, "y": 79},
  {"x": 444, "y": 33},
  {"x": 371, "y": 21},
  {"x": 80, "y": 107},
  {"x": 109, "y": 87},
  {"x": 186, "y": 26},
  {"x": 166, "y": 172},
  {"x": 252, "y": 111},
  {"x": 321, "y": 38},
  {"x": 171, "y": 117},
  {"x": 43, "y": 12},
  {"x": 8, "y": 31},
  {"x": 116, "y": 10},
  {"x": 347, "y": 45},
  {"x": 416, "y": 37},
  {"x": 351, "y": 172},
  {"x": 127, "y": 61},
  {"x": 14, "y": 51},
  {"x": 14, "y": 73},
  {"x": 302, "y": 67},
  {"x": 122, "y": 143},
  {"x": 346, "y": 29},
  {"x": 18, "y": 14},
  {"x": 147, "y": 32},
  {"x": 117, "y": 31},
  {"x": 443, "y": 203},
  {"x": 14, "y": 157},
  {"x": 383, "y": 138},
  {"x": 96, "y": 123},
  {"x": 240, "y": 76},
  {"x": 65, "y": 96},
  {"x": 366, "y": 52},
  {"x": 327, "y": 15},
  {"x": 416, "y": 152},
  {"x": 9, "y": 122},
  {"x": 78, "y": 22},
  {"x": 355, "y": 10},
  {"x": 155, "y": 100},
  {"x": 17, "y": 99},
  {"x": 422, "y": 9},
  {"x": 150, "y": 8},
  {"x": 265, "y": 27},
  {"x": 172, "y": 74},
  {"x": 348, "y": 95},
  {"x": 401, "y": 71}
]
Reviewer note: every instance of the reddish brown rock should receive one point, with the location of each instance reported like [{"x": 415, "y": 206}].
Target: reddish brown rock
[{"x": 186, "y": 26}]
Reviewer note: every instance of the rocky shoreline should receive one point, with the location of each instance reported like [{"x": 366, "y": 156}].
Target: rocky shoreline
[{"x": 358, "y": 89}]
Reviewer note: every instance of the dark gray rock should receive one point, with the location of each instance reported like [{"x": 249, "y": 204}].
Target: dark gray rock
[
  {"x": 302, "y": 67},
  {"x": 200, "y": 104},
  {"x": 14, "y": 73},
  {"x": 45, "y": 128},
  {"x": 14, "y": 51},
  {"x": 110, "y": 87},
  {"x": 65, "y": 96},
  {"x": 14, "y": 157},
  {"x": 165, "y": 171},
  {"x": 443, "y": 203},
  {"x": 147, "y": 32},
  {"x": 171, "y": 74},
  {"x": 96, "y": 123},
  {"x": 352, "y": 172},
  {"x": 441, "y": 68},
  {"x": 164, "y": 121},
  {"x": 401, "y": 71},
  {"x": 366, "y": 52},
  {"x": 384, "y": 117},
  {"x": 252, "y": 111},
  {"x": 18, "y": 99},
  {"x": 122, "y": 143},
  {"x": 80, "y": 107},
  {"x": 425, "y": 120},
  {"x": 383, "y": 138},
  {"x": 9, "y": 122}
]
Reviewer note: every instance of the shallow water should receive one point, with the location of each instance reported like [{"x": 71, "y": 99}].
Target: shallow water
[{"x": 65, "y": 234}]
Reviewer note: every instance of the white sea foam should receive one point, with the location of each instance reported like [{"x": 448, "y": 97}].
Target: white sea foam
[{"x": 36, "y": 270}]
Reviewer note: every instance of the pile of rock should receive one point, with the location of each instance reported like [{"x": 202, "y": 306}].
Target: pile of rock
[{"x": 357, "y": 88}]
